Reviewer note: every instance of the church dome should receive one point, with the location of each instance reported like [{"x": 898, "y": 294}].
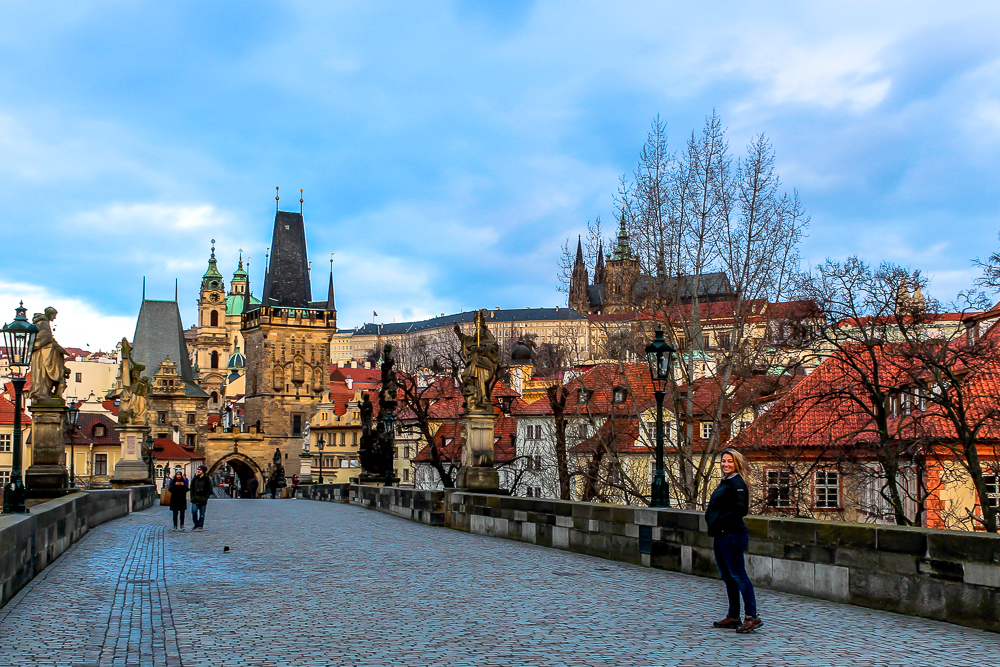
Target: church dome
[
  {"x": 520, "y": 355},
  {"x": 237, "y": 361}
]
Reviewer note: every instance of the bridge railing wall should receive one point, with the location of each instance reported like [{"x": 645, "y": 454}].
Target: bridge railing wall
[
  {"x": 945, "y": 575},
  {"x": 31, "y": 542}
]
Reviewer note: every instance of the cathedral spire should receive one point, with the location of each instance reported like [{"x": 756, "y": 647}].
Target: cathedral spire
[
  {"x": 622, "y": 250},
  {"x": 599, "y": 268},
  {"x": 579, "y": 251}
]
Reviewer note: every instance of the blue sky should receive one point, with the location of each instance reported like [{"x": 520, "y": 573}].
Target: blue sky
[{"x": 447, "y": 149}]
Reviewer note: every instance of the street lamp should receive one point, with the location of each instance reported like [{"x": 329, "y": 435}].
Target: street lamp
[
  {"x": 660, "y": 355},
  {"x": 319, "y": 447},
  {"x": 19, "y": 339},
  {"x": 73, "y": 418},
  {"x": 152, "y": 457}
]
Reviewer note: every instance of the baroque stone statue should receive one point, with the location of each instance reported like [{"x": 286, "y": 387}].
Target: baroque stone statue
[
  {"x": 48, "y": 360},
  {"x": 133, "y": 399},
  {"x": 481, "y": 355}
]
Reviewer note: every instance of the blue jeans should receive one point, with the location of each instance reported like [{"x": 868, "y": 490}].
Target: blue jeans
[
  {"x": 729, "y": 551},
  {"x": 198, "y": 515}
]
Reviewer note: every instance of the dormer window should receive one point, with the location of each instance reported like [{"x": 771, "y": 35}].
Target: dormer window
[
  {"x": 582, "y": 396},
  {"x": 618, "y": 395},
  {"x": 100, "y": 430}
]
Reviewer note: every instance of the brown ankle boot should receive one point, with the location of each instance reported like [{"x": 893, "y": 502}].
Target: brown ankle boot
[{"x": 728, "y": 623}]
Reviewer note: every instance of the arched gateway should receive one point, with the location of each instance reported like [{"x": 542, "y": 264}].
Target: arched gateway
[{"x": 244, "y": 467}]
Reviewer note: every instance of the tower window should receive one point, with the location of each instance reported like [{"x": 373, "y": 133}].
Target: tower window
[
  {"x": 215, "y": 355},
  {"x": 214, "y": 319}
]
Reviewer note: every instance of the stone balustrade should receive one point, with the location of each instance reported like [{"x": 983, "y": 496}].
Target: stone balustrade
[{"x": 30, "y": 542}]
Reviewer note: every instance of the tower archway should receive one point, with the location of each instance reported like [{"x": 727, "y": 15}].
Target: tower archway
[{"x": 244, "y": 468}]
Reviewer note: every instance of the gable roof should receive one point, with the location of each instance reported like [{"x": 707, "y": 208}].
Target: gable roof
[{"x": 159, "y": 334}]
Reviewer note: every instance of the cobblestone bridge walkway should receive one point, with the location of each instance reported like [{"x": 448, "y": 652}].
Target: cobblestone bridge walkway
[{"x": 308, "y": 583}]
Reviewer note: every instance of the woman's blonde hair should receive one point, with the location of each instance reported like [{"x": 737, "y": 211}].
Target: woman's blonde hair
[{"x": 739, "y": 461}]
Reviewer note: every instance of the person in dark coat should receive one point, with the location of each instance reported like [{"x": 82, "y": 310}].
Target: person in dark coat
[
  {"x": 254, "y": 485},
  {"x": 178, "y": 498},
  {"x": 201, "y": 489},
  {"x": 730, "y": 502}
]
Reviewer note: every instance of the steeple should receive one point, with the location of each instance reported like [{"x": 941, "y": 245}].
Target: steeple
[
  {"x": 622, "y": 250},
  {"x": 287, "y": 280},
  {"x": 212, "y": 280},
  {"x": 599, "y": 269},
  {"x": 241, "y": 279},
  {"x": 578, "y": 288},
  {"x": 330, "y": 304}
]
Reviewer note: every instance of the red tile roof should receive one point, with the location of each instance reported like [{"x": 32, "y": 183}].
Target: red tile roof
[
  {"x": 168, "y": 450},
  {"x": 449, "y": 442},
  {"x": 7, "y": 412}
]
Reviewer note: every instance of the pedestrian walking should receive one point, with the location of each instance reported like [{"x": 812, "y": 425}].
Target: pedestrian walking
[
  {"x": 178, "y": 499},
  {"x": 295, "y": 484},
  {"x": 201, "y": 489},
  {"x": 254, "y": 485},
  {"x": 730, "y": 502},
  {"x": 272, "y": 486}
]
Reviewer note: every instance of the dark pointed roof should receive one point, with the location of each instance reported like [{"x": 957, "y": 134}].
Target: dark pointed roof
[
  {"x": 287, "y": 281},
  {"x": 599, "y": 268},
  {"x": 622, "y": 250},
  {"x": 212, "y": 278},
  {"x": 579, "y": 251},
  {"x": 330, "y": 304},
  {"x": 159, "y": 334}
]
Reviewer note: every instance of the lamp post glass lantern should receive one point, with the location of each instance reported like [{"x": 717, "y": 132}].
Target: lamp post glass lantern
[
  {"x": 660, "y": 355},
  {"x": 19, "y": 340},
  {"x": 320, "y": 444},
  {"x": 72, "y": 419}
]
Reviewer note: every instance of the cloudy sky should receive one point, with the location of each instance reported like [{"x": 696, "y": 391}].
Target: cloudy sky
[{"x": 447, "y": 149}]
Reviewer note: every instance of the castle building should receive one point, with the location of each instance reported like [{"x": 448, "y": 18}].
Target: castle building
[
  {"x": 287, "y": 344},
  {"x": 620, "y": 286}
]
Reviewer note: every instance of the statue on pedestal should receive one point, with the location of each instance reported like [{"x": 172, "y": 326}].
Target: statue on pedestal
[
  {"x": 481, "y": 355},
  {"x": 378, "y": 439},
  {"x": 48, "y": 360},
  {"x": 133, "y": 400}
]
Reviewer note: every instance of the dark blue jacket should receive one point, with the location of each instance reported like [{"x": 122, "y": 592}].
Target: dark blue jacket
[{"x": 730, "y": 502}]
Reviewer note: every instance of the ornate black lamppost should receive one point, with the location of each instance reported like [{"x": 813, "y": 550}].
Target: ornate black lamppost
[
  {"x": 72, "y": 418},
  {"x": 19, "y": 339},
  {"x": 320, "y": 444},
  {"x": 150, "y": 457},
  {"x": 660, "y": 355}
]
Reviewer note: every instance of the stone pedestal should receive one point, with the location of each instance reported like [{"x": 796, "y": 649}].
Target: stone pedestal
[
  {"x": 478, "y": 473},
  {"x": 47, "y": 473},
  {"x": 131, "y": 470},
  {"x": 305, "y": 468}
]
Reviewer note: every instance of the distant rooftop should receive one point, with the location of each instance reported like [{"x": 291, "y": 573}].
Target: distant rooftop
[{"x": 499, "y": 316}]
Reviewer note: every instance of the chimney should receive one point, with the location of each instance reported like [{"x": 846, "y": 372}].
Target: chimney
[{"x": 349, "y": 381}]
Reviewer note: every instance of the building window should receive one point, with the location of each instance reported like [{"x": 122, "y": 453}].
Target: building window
[
  {"x": 4, "y": 477},
  {"x": 992, "y": 489},
  {"x": 190, "y": 419},
  {"x": 6, "y": 442},
  {"x": 354, "y": 437},
  {"x": 534, "y": 432},
  {"x": 583, "y": 431},
  {"x": 190, "y": 440},
  {"x": 723, "y": 340},
  {"x": 395, "y": 453},
  {"x": 582, "y": 396},
  {"x": 214, "y": 320},
  {"x": 100, "y": 464},
  {"x": 296, "y": 424},
  {"x": 406, "y": 452},
  {"x": 826, "y": 489},
  {"x": 706, "y": 430},
  {"x": 100, "y": 431},
  {"x": 343, "y": 440},
  {"x": 215, "y": 397},
  {"x": 619, "y": 395},
  {"x": 161, "y": 417},
  {"x": 79, "y": 377},
  {"x": 406, "y": 474},
  {"x": 779, "y": 488},
  {"x": 214, "y": 363}
]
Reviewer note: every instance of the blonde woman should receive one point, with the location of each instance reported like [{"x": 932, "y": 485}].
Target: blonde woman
[{"x": 729, "y": 504}]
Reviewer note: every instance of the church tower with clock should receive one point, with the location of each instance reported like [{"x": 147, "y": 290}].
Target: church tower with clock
[{"x": 212, "y": 343}]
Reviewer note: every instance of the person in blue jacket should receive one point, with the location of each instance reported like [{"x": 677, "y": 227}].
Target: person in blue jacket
[{"x": 730, "y": 502}]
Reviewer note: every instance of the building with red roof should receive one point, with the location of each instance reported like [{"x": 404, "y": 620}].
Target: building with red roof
[{"x": 7, "y": 436}]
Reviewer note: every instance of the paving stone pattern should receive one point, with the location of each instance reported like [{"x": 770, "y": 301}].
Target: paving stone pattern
[{"x": 309, "y": 583}]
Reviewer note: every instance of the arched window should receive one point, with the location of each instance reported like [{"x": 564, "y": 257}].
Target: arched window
[
  {"x": 215, "y": 358},
  {"x": 215, "y": 397},
  {"x": 214, "y": 318}
]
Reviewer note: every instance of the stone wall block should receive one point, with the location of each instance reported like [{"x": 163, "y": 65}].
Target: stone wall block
[
  {"x": 982, "y": 575},
  {"x": 959, "y": 546},
  {"x": 646, "y": 517},
  {"x": 756, "y": 526},
  {"x": 792, "y": 531},
  {"x": 901, "y": 539},
  {"x": 793, "y": 576},
  {"x": 832, "y": 583},
  {"x": 759, "y": 569},
  {"x": 560, "y": 537},
  {"x": 841, "y": 534}
]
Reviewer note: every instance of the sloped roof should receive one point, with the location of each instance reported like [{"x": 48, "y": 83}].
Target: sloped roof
[
  {"x": 7, "y": 411},
  {"x": 449, "y": 442},
  {"x": 159, "y": 333},
  {"x": 166, "y": 449},
  {"x": 287, "y": 281},
  {"x": 497, "y": 316}
]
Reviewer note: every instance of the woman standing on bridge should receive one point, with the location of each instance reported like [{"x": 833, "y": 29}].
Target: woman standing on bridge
[
  {"x": 178, "y": 497},
  {"x": 730, "y": 502}
]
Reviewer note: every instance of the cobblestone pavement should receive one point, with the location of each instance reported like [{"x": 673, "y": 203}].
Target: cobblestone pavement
[{"x": 308, "y": 583}]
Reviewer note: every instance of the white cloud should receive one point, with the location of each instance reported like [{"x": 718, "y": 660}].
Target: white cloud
[{"x": 79, "y": 324}]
